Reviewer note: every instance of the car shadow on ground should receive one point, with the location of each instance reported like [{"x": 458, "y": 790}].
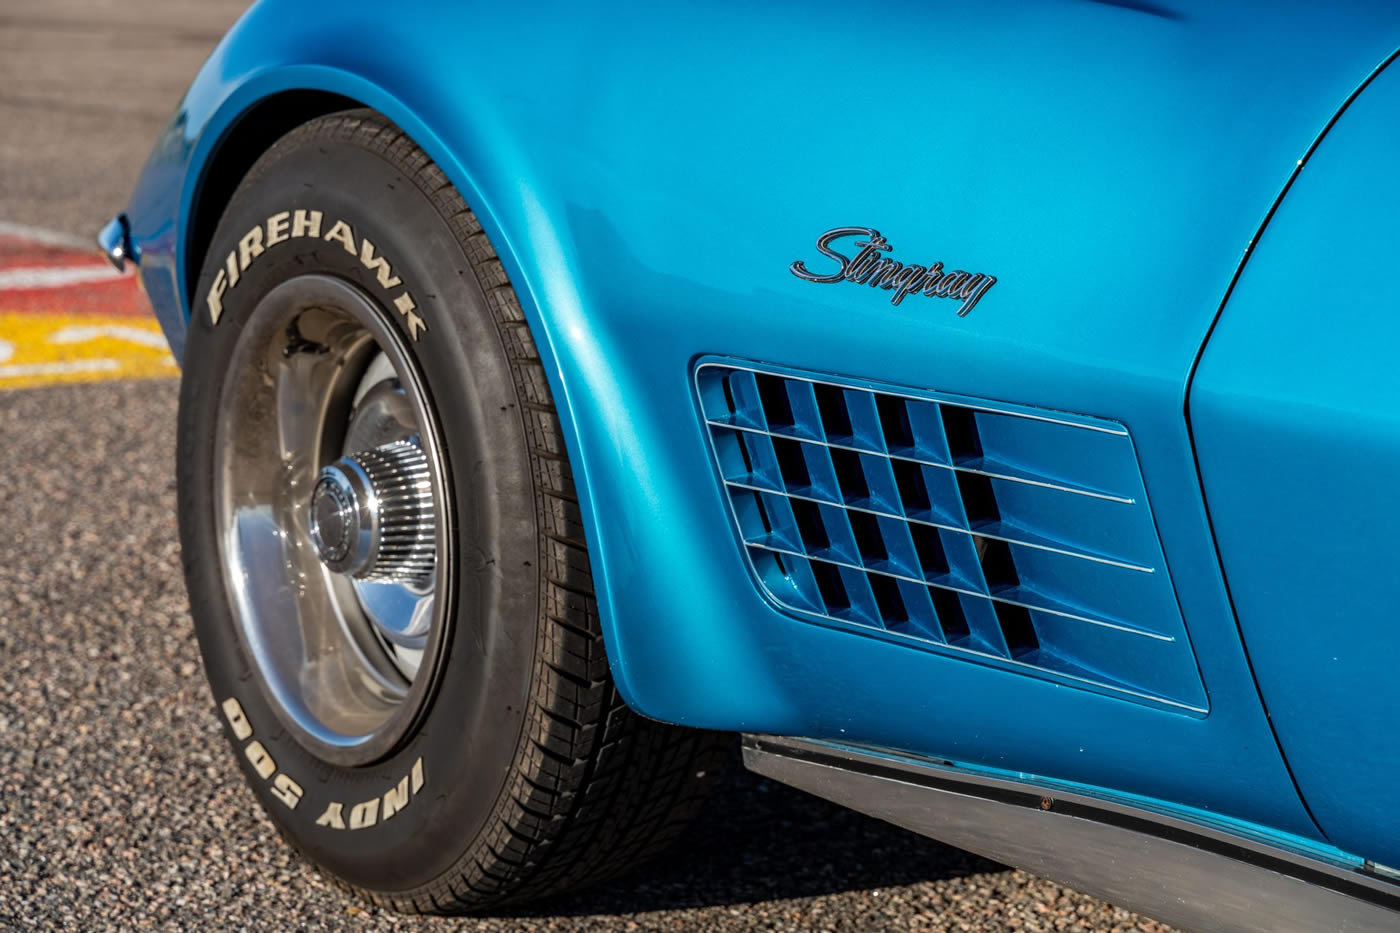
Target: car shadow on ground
[{"x": 758, "y": 841}]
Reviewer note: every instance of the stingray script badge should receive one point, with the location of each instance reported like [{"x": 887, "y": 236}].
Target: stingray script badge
[{"x": 869, "y": 267}]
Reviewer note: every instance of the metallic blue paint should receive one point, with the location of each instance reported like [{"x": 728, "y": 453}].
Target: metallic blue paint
[
  {"x": 648, "y": 172},
  {"x": 1294, "y": 409}
]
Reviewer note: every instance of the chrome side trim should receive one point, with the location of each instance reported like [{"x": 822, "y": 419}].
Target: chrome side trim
[{"x": 1192, "y": 875}]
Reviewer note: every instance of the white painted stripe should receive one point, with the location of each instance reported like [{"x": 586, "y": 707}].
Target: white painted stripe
[
  {"x": 46, "y": 237},
  {"x": 55, "y": 276},
  {"x": 82, "y": 334},
  {"x": 19, "y": 370}
]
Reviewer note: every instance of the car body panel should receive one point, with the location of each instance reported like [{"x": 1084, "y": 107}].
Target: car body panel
[
  {"x": 648, "y": 174},
  {"x": 1293, "y": 410}
]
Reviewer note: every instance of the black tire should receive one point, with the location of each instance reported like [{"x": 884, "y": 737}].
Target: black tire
[{"x": 538, "y": 778}]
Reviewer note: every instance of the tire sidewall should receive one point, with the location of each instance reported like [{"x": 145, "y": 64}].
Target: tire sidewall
[{"x": 468, "y": 736}]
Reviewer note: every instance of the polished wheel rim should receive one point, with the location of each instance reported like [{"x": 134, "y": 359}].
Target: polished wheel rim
[{"x": 332, "y": 518}]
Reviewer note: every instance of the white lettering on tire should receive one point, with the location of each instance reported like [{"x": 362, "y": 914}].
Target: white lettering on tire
[
  {"x": 233, "y": 712},
  {"x": 404, "y": 304},
  {"x": 287, "y": 790},
  {"x": 332, "y": 817},
  {"x": 375, "y": 810},
  {"x": 284, "y": 788},
  {"x": 377, "y": 265},
  {"x": 362, "y": 815},
  {"x": 307, "y": 224},
  {"x": 260, "y": 760}
]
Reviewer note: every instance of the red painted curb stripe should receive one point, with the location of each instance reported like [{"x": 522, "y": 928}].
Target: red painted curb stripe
[
  {"x": 116, "y": 296},
  {"x": 19, "y": 252}
]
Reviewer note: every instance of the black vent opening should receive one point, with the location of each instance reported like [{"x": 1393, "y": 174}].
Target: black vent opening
[
  {"x": 888, "y": 599},
  {"x": 1017, "y": 629},
  {"x": 997, "y": 566},
  {"x": 913, "y": 491},
  {"x": 978, "y": 498},
  {"x": 791, "y": 463},
  {"x": 831, "y": 586},
  {"x": 777, "y": 407},
  {"x": 960, "y": 427},
  {"x": 950, "y": 615},
  {"x": 869, "y": 540},
  {"x": 810, "y": 525},
  {"x": 929, "y": 546},
  {"x": 849, "y": 474},
  {"x": 894, "y": 421},
  {"x": 831, "y": 403},
  {"x": 744, "y": 452},
  {"x": 762, "y": 511}
]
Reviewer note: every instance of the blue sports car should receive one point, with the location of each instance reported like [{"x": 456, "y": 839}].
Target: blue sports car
[{"x": 958, "y": 401}]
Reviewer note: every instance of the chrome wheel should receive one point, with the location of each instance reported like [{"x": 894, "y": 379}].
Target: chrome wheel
[{"x": 333, "y": 512}]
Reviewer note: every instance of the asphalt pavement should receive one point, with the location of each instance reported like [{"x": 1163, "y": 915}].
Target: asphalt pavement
[{"x": 120, "y": 806}]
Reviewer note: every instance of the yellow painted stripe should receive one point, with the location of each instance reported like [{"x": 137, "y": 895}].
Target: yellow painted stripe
[{"x": 47, "y": 349}]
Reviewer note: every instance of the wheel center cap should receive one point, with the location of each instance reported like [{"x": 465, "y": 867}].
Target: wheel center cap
[
  {"x": 334, "y": 521},
  {"x": 371, "y": 515},
  {"x": 342, "y": 539}
]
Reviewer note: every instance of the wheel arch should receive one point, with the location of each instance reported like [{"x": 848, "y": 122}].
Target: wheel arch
[
  {"x": 252, "y": 114},
  {"x": 247, "y": 137}
]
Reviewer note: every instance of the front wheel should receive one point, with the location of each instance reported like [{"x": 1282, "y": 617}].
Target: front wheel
[{"x": 384, "y": 551}]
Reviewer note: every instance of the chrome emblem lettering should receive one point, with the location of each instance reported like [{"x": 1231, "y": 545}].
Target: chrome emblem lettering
[{"x": 869, "y": 267}]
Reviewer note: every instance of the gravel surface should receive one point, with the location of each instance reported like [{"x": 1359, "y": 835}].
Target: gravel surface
[
  {"x": 120, "y": 806},
  {"x": 92, "y": 83}
]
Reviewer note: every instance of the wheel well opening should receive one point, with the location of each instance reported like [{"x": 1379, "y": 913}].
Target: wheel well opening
[{"x": 252, "y": 134}]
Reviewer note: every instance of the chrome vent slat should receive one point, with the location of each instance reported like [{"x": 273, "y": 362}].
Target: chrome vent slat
[
  {"x": 944, "y": 522},
  {"x": 940, "y": 583},
  {"x": 976, "y": 533},
  {"x": 913, "y": 395},
  {"x": 1001, "y": 471}
]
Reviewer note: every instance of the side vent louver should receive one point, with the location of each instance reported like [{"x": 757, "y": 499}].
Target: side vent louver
[{"x": 1015, "y": 536}]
